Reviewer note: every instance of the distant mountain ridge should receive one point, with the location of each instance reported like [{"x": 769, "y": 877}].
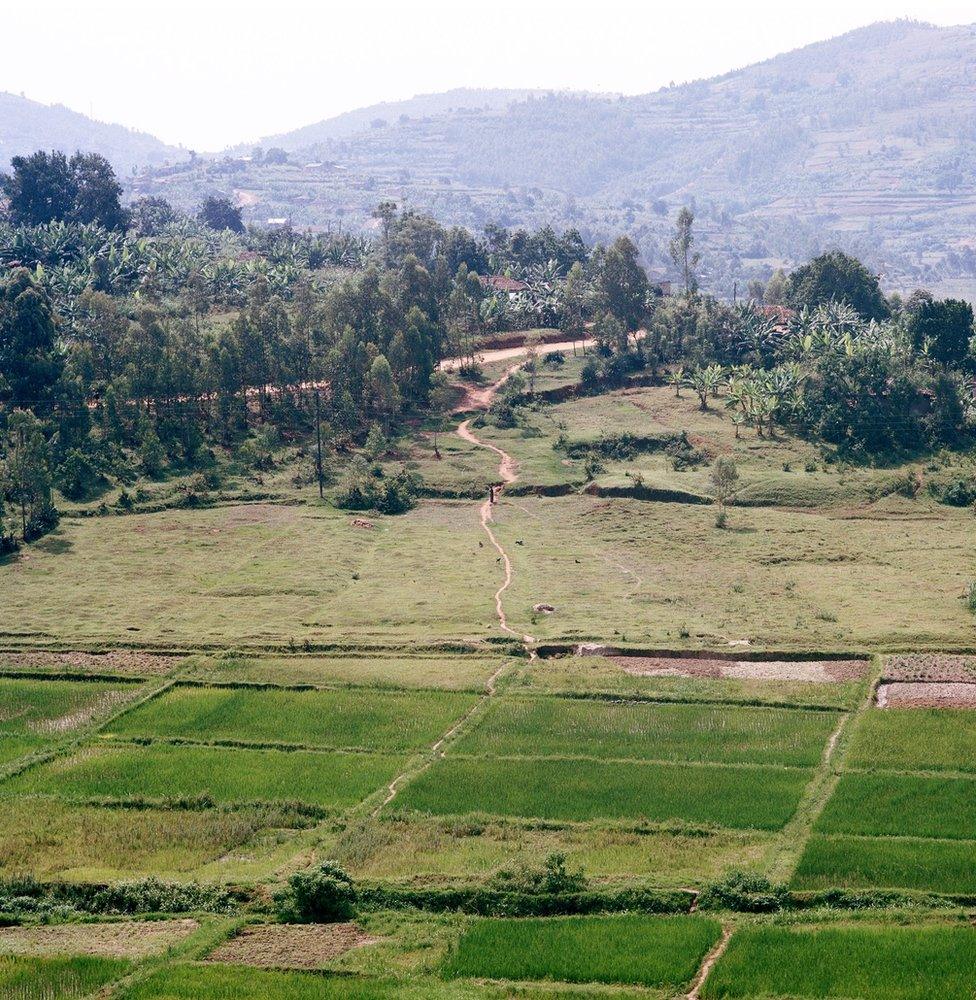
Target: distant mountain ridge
[{"x": 26, "y": 126}]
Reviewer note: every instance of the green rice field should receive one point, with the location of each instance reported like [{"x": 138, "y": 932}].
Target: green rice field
[
  {"x": 23, "y": 978},
  {"x": 583, "y": 727},
  {"x": 947, "y": 866},
  {"x": 915, "y": 740},
  {"x": 356, "y": 718},
  {"x": 50, "y": 708},
  {"x": 630, "y": 949},
  {"x": 166, "y": 773},
  {"x": 737, "y": 797},
  {"x": 850, "y": 962}
]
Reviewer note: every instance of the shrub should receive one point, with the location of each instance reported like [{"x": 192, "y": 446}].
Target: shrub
[
  {"x": 552, "y": 876},
  {"x": 368, "y": 488},
  {"x": 321, "y": 894},
  {"x": 743, "y": 892}
]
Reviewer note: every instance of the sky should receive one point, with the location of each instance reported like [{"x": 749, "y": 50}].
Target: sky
[{"x": 208, "y": 74}]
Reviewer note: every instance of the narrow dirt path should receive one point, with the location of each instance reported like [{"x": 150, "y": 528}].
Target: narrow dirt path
[
  {"x": 710, "y": 959},
  {"x": 507, "y": 471}
]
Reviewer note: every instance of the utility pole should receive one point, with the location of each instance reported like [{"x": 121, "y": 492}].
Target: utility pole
[
  {"x": 318, "y": 442},
  {"x": 735, "y": 292}
]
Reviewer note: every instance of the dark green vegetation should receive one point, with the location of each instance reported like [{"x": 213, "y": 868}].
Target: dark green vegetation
[
  {"x": 866, "y": 962},
  {"x": 648, "y": 951}
]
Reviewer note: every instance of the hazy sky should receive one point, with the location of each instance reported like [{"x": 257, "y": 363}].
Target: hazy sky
[{"x": 206, "y": 74}]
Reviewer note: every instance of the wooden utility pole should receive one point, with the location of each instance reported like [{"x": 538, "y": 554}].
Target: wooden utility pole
[{"x": 318, "y": 443}]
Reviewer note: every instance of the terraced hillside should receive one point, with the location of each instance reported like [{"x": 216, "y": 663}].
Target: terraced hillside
[{"x": 864, "y": 141}]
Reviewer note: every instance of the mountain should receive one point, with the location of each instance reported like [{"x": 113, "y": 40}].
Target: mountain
[
  {"x": 865, "y": 141},
  {"x": 26, "y": 126},
  {"x": 387, "y": 113}
]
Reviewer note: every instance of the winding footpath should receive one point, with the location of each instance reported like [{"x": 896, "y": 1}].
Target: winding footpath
[{"x": 508, "y": 474}]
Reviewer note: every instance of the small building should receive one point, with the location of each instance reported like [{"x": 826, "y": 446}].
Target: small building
[{"x": 502, "y": 284}]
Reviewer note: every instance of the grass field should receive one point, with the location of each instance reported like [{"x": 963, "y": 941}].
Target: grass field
[
  {"x": 581, "y": 727},
  {"x": 947, "y": 866},
  {"x": 630, "y": 949},
  {"x": 12, "y": 747},
  {"x": 902, "y": 805},
  {"x": 168, "y": 773},
  {"x": 55, "y": 978},
  {"x": 743, "y": 798},
  {"x": 601, "y": 675},
  {"x": 853, "y": 962},
  {"x": 354, "y": 718},
  {"x": 915, "y": 740}
]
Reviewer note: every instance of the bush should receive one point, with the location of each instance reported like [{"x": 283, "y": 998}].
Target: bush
[
  {"x": 369, "y": 488},
  {"x": 552, "y": 876},
  {"x": 321, "y": 894},
  {"x": 744, "y": 893}
]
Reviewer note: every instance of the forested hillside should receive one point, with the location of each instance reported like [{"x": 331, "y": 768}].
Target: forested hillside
[{"x": 864, "y": 141}]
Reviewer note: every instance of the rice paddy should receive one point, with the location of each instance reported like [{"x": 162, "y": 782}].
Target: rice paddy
[
  {"x": 635, "y": 730},
  {"x": 580, "y": 790},
  {"x": 59, "y": 978},
  {"x": 915, "y": 740},
  {"x": 862, "y": 962},
  {"x": 348, "y": 718},
  {"x": 628, "y": 949}
]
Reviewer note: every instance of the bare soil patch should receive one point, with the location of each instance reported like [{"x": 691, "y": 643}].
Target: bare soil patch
[
  {"x": 811, "y": 671},
  {"x": 290, "y": 946},
  {"x": 135, "y": 939},
  {"x": 122, "y": 661},
  {"x": 930, "y": 667},
  {"x": 927, "y": 694}
]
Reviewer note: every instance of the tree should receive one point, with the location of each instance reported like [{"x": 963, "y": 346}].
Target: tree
[
  {"x": 441, "y": 397},
  {"x": 150, "y": 216},
  {"x": 777, "y": 289},
  {"x": 97, "y": 192},
  {"x": 384, "y": 399},
  {"x": 622, "y": 285},
  {"x": 25, "y": 478},
  {"x": 942, "y": 328},
  {"x": 838, "y": 277},
  {"x": 31, "y": 363},
  {"x": 574, "y": 303},
  {"x": 724, "y": 477},
  {"x": 41, "y": 189},
  {"x": 221, "y": 213},
  {"x": 47, "y": 187},
  {"x": 685, "y": 258}
]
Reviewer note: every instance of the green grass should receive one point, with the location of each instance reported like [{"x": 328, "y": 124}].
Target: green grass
[
  {"x": 58, "y": 840},
  {"x": 619, "y": 570},
  {"x": 915, "y": 740},
  {"x": 448, "y": 671},
  {"x": 12, "y": 747},
  {"x": 356, "y": 718},
  {"x": 601, "y": 675},
  {"x": 630, "y": 949},
  {"x": 24, "y": 978},
  {"x": 578, "y": 727},
  {"x": 258, "y": 573},
  {"x": 50, "y": 708},
  {"x": 947, "y": 866},
  {"x": 166, "y": 773},
  {"x": 760, "y": 798},
  {"x": 854, "y": 963},
  {"x": 902, "y": 804},
  {"x": 216, "y": 982}
]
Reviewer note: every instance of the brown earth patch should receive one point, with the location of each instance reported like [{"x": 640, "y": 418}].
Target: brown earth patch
[
  {"x": 811, "y": 671},
  {"x": 290, "y": 946},
  {"x": 135, "y": 939},
  {"x": 121, "y": 661},
  {"x": 922, "y": 694},
  {"x": 930, "y": 667}
]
